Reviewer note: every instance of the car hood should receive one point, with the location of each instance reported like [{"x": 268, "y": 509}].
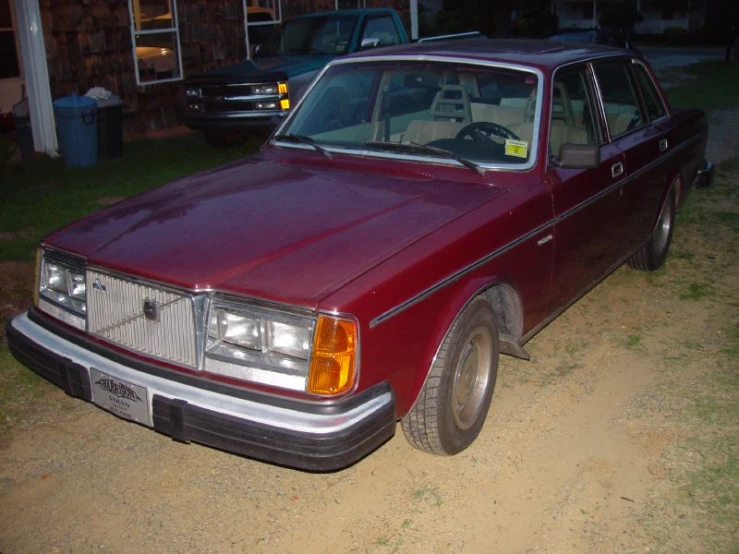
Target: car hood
[
  {"x": 291, "y": 66},
  {"x": 290, "y": 230}
]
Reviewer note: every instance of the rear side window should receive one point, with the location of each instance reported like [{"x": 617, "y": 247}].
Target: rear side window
[
  {"x": 652, "y": 99},
  {"x": 620, "y": 99}
]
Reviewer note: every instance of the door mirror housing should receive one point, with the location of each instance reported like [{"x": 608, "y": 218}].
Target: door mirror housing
[{"x": 577, "y": 156}]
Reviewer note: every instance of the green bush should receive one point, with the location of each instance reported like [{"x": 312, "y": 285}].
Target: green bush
[{"x": 676, "y": 36}]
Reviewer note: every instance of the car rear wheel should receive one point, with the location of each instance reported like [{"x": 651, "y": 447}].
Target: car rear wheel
[
  {"x": 652, "y": 254},
  {"x": 452, "y": 406}
]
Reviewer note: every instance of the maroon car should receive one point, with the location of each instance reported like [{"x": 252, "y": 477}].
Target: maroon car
[{"x": 424, "y": 209}]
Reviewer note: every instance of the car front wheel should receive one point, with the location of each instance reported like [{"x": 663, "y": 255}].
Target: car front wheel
[{"x": 452, "y": 406}]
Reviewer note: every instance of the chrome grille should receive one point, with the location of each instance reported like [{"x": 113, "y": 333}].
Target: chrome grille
[{"x": 115, "y": 312}]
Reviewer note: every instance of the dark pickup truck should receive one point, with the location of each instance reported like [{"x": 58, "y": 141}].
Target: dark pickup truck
[{"x": 255, "y": 93}]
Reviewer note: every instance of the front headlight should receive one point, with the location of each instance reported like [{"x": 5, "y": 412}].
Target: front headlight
[
  {"x": 297, "y": 352},
  {"x": 193, "y": 92},
  {"x": 62, "y": 291}
]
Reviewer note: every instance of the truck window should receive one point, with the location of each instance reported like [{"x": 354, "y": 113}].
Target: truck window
[{"x": 383, "y": 29}]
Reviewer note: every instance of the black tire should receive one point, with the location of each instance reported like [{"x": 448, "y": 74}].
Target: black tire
[
  {"x": 652, "y": 254},
  {"x": 452, "y": 406}
]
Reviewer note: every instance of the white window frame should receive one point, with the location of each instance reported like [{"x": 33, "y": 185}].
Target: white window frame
[
  {"x": 174, "y": 29},
  {"x": 276, "y": 21}
]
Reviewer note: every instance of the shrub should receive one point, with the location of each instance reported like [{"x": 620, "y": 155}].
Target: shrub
[{"x": 676, "y": 36}]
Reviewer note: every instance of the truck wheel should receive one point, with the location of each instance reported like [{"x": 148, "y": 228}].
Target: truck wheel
[
  {"x": 452, "y": 406},
  {"x": 652, "y": 254}
]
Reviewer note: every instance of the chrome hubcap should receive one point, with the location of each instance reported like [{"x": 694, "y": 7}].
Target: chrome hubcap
[
  {"x": 471, "y": 378},
  {"x": 662, "y": 232}
]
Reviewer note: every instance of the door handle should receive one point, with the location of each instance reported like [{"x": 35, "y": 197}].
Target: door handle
[
  {"x": 663, "y": 144},
  {"x": 617, "y": 169}
]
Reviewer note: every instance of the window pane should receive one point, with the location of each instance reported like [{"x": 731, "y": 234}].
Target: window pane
[
  {"x": 619, "y": 98},
  {"x": 6, "y": 21},
  {"x": 9, "y": 59},
  {"x": 157, "y": 55},
  {"x": 152, "y": 14},
  {"x": 655, "y": 107},
  {"x": 383, "y": 29},
  {"x": 572, "y": 112},
  {"x": 263, "y": 10}
]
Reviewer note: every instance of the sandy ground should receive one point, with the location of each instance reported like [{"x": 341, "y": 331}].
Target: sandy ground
[{"x": 577, "y": 454}]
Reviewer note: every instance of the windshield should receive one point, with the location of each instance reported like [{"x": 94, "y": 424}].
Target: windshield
[
  {"x": 482, "y": 114},
  {"x": 310, "y": 35}
]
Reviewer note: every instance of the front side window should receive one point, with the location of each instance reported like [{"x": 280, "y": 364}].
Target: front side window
[
  {"x": 156, "y": 40},
  {"x": 652, "y": 100},
  {"x": 433, "y": 109},
  {"x": 572, "y": 116},
  {"x": 619, "y": 98},
  {"x": 310, "y": 35}
]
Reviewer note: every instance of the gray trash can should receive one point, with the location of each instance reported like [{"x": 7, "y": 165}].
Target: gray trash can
[{"x": 110, "y": 127}]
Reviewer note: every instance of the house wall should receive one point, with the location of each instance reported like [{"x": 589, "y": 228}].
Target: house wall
[{"x": 89, "y": 44}]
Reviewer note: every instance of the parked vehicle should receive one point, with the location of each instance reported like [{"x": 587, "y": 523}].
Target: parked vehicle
[
  {"x": 594, "y": 36},
  {"x": 424, "y": 209},
  {"x": 254, "y": 94}
]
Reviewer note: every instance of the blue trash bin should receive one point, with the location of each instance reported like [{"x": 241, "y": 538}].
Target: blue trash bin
[{"x": 76, "y": 121}]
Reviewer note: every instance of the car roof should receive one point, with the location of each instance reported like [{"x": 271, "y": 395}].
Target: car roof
[{"x": 543, "y": 54}]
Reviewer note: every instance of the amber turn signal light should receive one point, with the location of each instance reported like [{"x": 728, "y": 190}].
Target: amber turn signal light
[{"x": 334, "y": 360}]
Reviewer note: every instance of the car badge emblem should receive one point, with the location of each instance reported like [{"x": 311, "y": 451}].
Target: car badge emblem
[
  {"x": 97, "y": 285},
  {"x": 151, "y": 309}
]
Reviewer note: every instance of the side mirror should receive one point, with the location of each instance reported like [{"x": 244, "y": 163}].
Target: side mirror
[
  {"x": 369, "y": 42},
  {"x": 578, "y": 156}
]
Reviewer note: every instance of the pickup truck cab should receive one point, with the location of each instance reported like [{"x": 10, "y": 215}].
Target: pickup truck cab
[
  {"x": 370, "y": 266},
  {"x": 251, "y": 94}
]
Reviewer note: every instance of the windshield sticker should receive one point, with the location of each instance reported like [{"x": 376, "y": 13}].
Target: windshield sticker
[{"x": 517, "y": 148}]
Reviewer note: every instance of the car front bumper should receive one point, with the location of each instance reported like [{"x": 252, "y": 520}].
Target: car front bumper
[{"x": 283, "y": 431}]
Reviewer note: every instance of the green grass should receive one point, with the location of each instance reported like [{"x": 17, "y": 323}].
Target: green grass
[
  {"x": 43, "y": 195},
  {"x": 714, "y": 85}
]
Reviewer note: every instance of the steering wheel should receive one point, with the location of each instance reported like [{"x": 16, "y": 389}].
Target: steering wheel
[{"x": 481, "y": 130}]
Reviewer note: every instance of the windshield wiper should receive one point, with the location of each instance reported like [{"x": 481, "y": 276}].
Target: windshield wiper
[
  {"x": 425, "y": 148},
  {"x": 305, "y": 140}
]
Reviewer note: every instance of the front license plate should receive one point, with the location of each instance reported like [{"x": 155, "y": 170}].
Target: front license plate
[{"x": 124, "y": 399}]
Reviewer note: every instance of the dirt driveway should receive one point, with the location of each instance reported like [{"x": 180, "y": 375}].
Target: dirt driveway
[{"x": 592, "y": 446}]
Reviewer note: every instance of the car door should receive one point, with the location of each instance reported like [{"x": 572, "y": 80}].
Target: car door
[
  {"x": 633, "y": 118},
  {"x": 587, "y": 202}
]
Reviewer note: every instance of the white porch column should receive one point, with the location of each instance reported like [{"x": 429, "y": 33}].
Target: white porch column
[
  {"x": 414, "y": 19},
  {"x": 595, "y": 13},
  {"x": 36, "y": 74}
]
